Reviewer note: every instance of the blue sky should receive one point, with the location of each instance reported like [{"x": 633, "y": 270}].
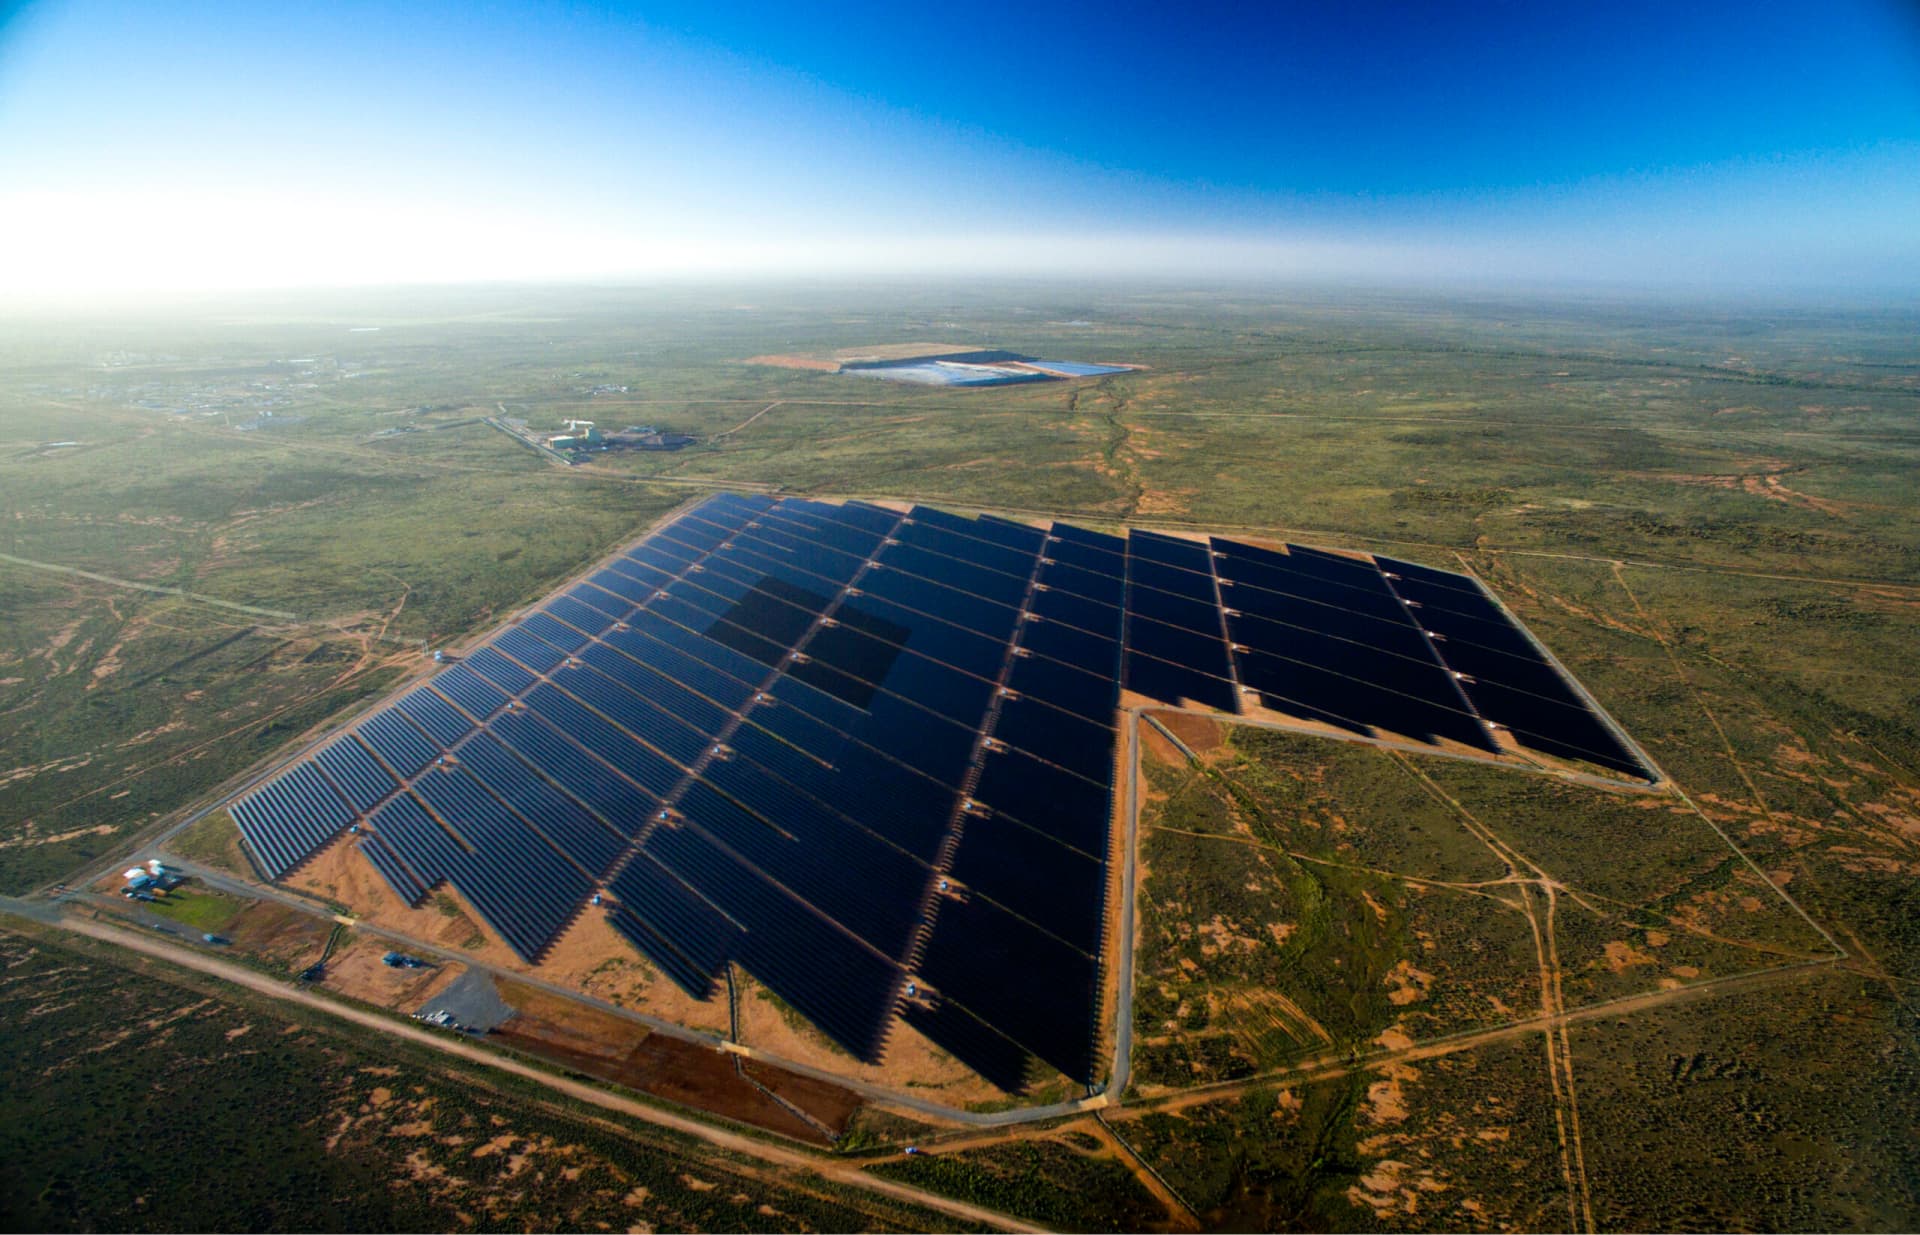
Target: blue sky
[{"x": 242, "y": 144}]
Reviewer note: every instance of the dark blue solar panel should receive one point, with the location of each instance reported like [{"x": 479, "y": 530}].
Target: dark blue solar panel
[
  {"x": 1081, "y": 557},
  {"x": 827, "y": 874},
  {"x": 606, "y": 603},
  {"x": 1174, "y": 611},
  {"x": 743, "y": 669},
  {"x": 724, "y": 689},
  {"x": 716, "y": 582},
  {"x": 1185, "y": 584},
  {"x": 1073, "y": 646},
  {"x": 1060, "y": 890},
  {"x": 1510, "y": 682},
  {"x": 796, "y": 727},
  {"x": 821, "y": 560},
  {"x": 1387, "y": 661},
  {"x": 680, "y": 684},
  {"x": 1094, "y": 698},
  {"x": 1358, "y": 571},
  {"x": 1066, "y": 533},
  {"x": 663, "y": 556},
  {"x": 1061, "y": 577},
  {"x": 689, "y": 608},
  {"x": 803, "y": 850},
  {"x": 1203, "y": 653},
  {"x": 616, "y": 746},
  {"x": 1019, "y": 536},
  {"x": 435, "y": 715},
  {"x": 1171, "y": 683},
  {"x": 651, "y": 578},
  {"x": 1079, "y": 746},
  {"x": 288, "y": 819},
  {"x": 661, "y": 728},
  {"x": 863, "y": 515},
  {"x": 646, "y": 936},
  {"x": 400, "y": 746},
  {"x": 1168, "y": 550},
  {"x": 476, "y": 696},
  {"x": 558, "y": 818},
  {"x": 973, "y": 1042},
  {"x": 564, "y": 637},
  {"x": 911, "y": 592},
  {"x": 523, "y": 887},
  {"x": 536, "y": 654},
  {"x": 993, "y": 557},
  {"x": 957, "y": 696},
  {"x": 901, "y": 806},
  {"x": 360, "y": 780},
  {"x": 1342, "y": 593},
  {"x": 699, "y": 935},
  {"x": 1304, "y": 688},
  {"x": 503, "y": 673},
  {"x": 623, "y": 586},
  {"x": 422, "y": 843},
  {"x": 823, "y": 972},
  {"x": 1069, "y": 808},
  {"x": 1058, "y": 606},
  {"x": 409, "y": 889},
  {"x": 1395, "y": 635},
  {"x": 694, "y": 534},
  {"x": 966, "y": 650},
  {"x": 755, "y": 557},
  {"x": 732, "y": 509},
  {"x": 854, "y": 542},
  {"x": 1035, "y": 989},
  {"x": 584, "y": 618},
  {"x": 952, "y": 572},
  {"x": 625, "y": 807},
  {"x": 459, "y": 802},
  {"x": 928, "y": 743}
]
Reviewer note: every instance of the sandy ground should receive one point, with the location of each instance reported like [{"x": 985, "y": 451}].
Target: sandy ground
[
  {"x": 795, "y": 362},
  {"x": 1202, "y": 734},
  {"x": 593, "y": 958},
  {"x": 909, "y": 1060},
  {"x": 358, "y": 972},
  {"x": 589, "y": 956},
  {"x": 902, "y": 351},
  {"x": 339, "y": 874}
]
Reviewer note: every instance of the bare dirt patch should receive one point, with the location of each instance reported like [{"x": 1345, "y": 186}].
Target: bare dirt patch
[
  {"x": 909, "y": 1061},
  {"x": 358, "y": 972},
  {"x": 340, "y": 875},
  {"x": 1202, "y": 734},
  {"x": 795, "y": 362}
]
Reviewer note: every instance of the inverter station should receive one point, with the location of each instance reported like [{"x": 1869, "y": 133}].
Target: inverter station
[{"x": 870, "y": 756}]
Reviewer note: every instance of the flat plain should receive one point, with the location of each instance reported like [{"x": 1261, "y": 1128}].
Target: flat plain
[{"x": 266, "y": 518}]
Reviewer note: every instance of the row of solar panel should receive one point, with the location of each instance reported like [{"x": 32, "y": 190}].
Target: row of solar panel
[
  {"x": 1508, "y": 679},
  {"x": 290, "y": 817},
  {"x": 1326, "y": 636}
]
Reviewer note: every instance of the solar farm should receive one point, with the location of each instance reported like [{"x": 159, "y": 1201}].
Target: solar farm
[{"x": 871, "y": 755}]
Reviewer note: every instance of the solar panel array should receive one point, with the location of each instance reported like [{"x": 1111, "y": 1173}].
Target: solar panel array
[{"x": 870, "y": 756}]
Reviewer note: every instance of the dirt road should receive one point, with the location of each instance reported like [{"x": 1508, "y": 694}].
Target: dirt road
[{"x": 777, "y": 1155}]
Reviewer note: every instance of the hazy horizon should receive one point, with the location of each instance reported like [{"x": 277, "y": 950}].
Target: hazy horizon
[{"x": 212, "y": 147}]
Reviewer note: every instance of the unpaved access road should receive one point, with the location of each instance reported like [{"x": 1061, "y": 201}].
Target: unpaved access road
[{"x": 776, "y": 1155}]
